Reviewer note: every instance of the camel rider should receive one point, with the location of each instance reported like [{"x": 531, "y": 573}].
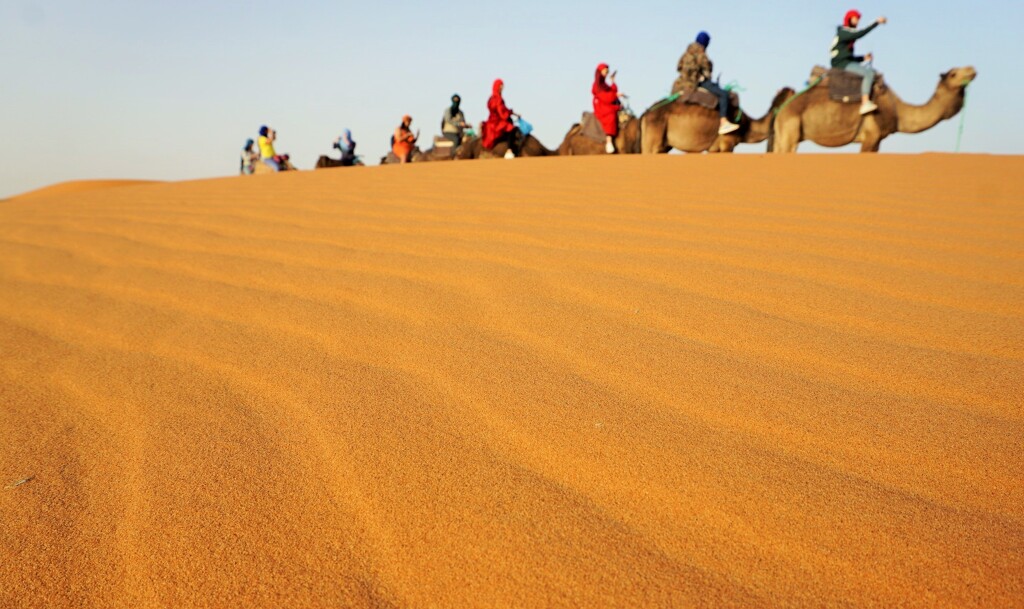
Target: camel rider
[
  {"x": 347, "y": 146},
  {"x": 404, "y": 140},
  {"x": 606, "y": 105},
  {"x": 249, "y": 157},
  {"x": 844, "y": 59},
  {"x": 694, "y": 69},
  {"x": 453, "y": 123},
  {"x": 499, "y": 125},
  {"x": 266, "y": 145}
]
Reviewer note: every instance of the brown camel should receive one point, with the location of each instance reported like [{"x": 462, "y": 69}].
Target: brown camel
[
  {"x": 418, "y": 156},
  {"x": 472, "y": 148},
  {"x": 694, "y": 128},
  {"x": 325, "y": 161},
  {"x": 627, "y": 142},
  {"x": 813, "y": 116},
  {"x": 261, "y": 167}
]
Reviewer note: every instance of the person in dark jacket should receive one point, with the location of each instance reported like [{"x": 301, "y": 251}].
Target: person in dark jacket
[
  {"x": 694, "y": 69},
  {"x": 844, "y": 58},
  {"x": 453, "y": 122}
]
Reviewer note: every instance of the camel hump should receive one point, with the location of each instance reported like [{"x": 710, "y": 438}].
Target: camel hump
[{"x": 590, "y": 127}]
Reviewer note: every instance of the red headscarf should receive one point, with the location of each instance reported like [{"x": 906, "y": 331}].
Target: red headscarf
[
  {"x": 849, "y": 17},
  {"x": 496, "y": 87},
  {"x": 597, "y": 73}
]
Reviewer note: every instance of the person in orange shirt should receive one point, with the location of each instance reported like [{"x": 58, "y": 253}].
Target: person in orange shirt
[{"x": 403, "y": 141}]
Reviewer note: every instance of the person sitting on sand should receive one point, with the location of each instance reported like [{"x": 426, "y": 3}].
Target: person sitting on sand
[
  {"x": 249, "y": 157},
  {"x": 266, "y": 144},
  {"x": 694, "y": 69},
  {"x": 453, "y": 123},
  {"x": 499, "y": 125},
  {"x": 403, "y": 141},
  {"x": 347, "y": 146},
  {"x": 844, "y": 59},
  {"x": 606, "y": 105}
]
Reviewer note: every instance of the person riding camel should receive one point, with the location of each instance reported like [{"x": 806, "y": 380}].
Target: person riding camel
[
  {"x": 843, "y": 57},
  {"x": 347, "y": 146},
  {"x": 266, "y": 145},
  {"x": 695, "y": 71},
  {"x": 403, "y": 141},
  {"x": 453, "y": 123},
  {"x": 606, "y": 105},
  {"x": 499, "y": 123},
  {"x": 249, "y": 158}
]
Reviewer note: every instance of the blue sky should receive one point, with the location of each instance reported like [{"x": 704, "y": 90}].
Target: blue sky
[{"x": 162, "y": 90}]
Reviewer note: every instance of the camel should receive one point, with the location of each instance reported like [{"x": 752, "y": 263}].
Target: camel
[
  {"x": 420, "y": 156},
  {"x": 813, "y": 116},
  {"x": 325, "y": 161},
  {"x": 627, "y": 142},
  {"x": 694, "y": 128},
  {"x": 260, "y": 167},
  {"x": 472, "y": 148}
]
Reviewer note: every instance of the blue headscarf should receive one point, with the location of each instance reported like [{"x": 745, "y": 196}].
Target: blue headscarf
[
  {"x": 264, "y": 130},
  {"x": 248, "y": 144},
  {"x": 346, "y": 140},
  {"x": 704, "y": 39}
]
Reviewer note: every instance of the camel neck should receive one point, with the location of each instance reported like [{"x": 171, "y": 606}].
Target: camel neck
[
  {"x": 944, "y": 104},
  {"x": 758, "y": 130}
]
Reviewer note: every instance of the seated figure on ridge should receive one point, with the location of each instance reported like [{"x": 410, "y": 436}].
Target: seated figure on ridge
[
  {"x": 606, "y": 105},
  {"x": 347, "y": 146},
  {"x": 249, "y": 158},
  {"x": 843, "y": 57},
  {"x": 453, "y": 123},
  {"x": 695, "y": 71},
  {"x": 499, "y": 126},
  {"x": 403, "y": 141}
]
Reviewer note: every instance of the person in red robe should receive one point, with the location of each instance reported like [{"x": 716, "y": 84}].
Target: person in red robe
[
  {"x": 499, "y": 123},
  {"x": 606, "y": 105}
]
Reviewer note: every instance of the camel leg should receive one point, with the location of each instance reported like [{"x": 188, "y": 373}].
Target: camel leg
[
  {"x": 724, "y": 144},
  {"x": 870, "y": 144},
  {"x": 787, "y": 136},
  {"x": 652, "y": 137}
]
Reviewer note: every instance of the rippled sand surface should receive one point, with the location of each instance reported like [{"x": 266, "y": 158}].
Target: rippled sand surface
[{"x": 588, "y": 382}]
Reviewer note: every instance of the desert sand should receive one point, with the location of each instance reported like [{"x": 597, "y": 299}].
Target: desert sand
[
  {"x": 703, "y": 381},
  {"x": 75, "y": 186}
]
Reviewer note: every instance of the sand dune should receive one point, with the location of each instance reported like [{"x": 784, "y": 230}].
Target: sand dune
[
  {"x": 76, "y": 186},
  {"x": 696, "y": 381}
]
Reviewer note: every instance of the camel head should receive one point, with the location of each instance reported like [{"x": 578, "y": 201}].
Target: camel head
[
  {"x": 955, "y": 82},
  {"x": 957, "y": 78}
]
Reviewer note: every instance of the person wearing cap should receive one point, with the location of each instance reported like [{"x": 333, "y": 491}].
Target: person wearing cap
[
  {"x": 499, "y": 125},
  {"x": 695, "y": 71},
  {"x": 403, "y": 140},
  {"x": 453, "y": 123},
  {"x": 249, "y": 158},
  {"x": 606, "y": 105},
  {"x": 843, "y": 57},
  {"x": 266, "y": 145}
]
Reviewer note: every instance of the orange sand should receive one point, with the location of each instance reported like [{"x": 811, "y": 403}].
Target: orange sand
[
  {"x": 584, "y": 382},
  {"x": 76, "y": 186}
]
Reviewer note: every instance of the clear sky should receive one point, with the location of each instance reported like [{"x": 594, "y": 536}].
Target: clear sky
[{"x": 171, "y": 90}]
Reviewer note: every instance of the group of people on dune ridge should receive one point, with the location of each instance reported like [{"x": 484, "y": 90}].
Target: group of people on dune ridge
[{"x": 503, "y": 125}]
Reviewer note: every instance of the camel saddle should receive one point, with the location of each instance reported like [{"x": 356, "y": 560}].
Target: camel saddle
[
  {"x": 591, "y": 127},
  {"x": 443, "y": 147},
  {"x": 843, "y": 86},
  {"x": 704, "y": 98}
]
